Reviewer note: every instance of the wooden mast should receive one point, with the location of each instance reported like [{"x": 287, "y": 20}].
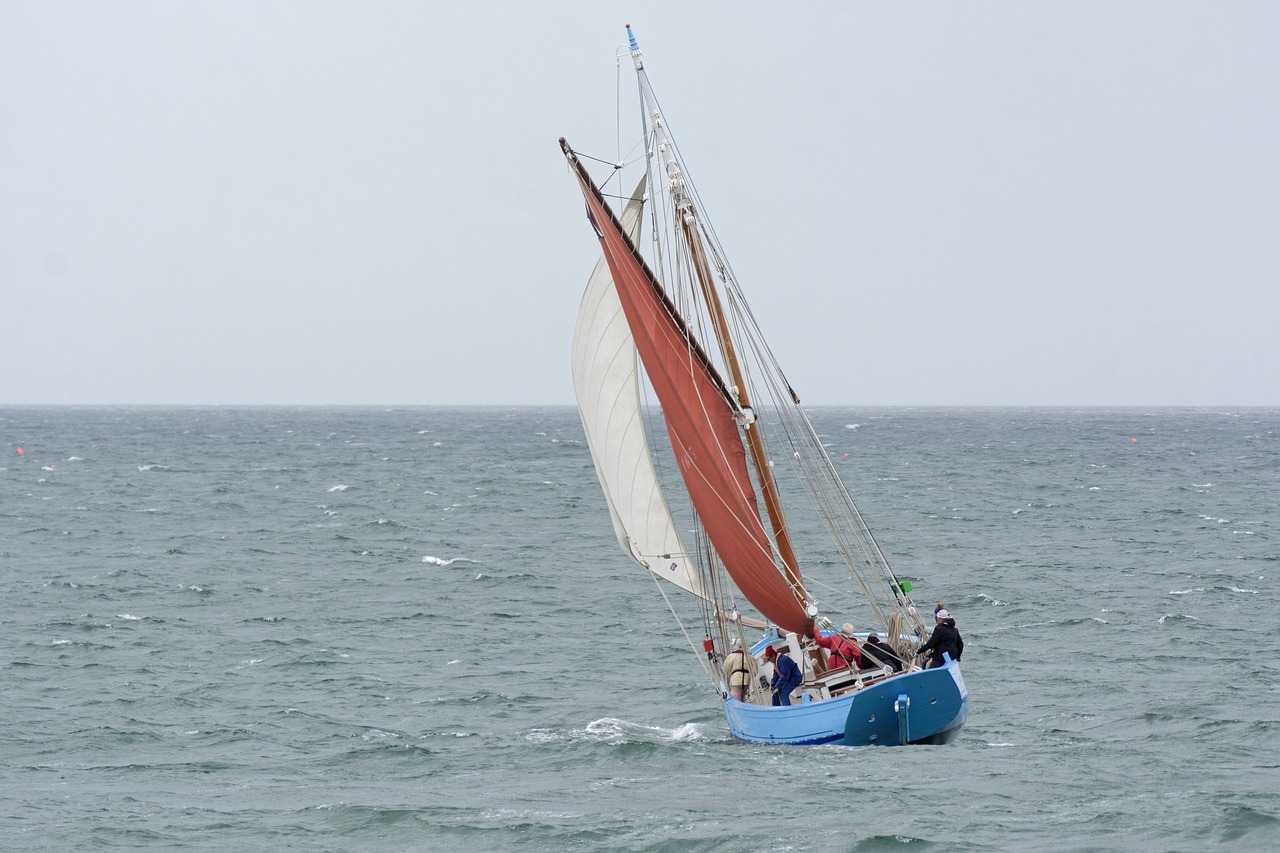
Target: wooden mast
[
  {"x": 755, "y": 444},
  {"x": 684, "y": 208}
]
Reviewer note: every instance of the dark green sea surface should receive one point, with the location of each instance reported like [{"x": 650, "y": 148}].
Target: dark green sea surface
[{"x": 412, "y": 629}]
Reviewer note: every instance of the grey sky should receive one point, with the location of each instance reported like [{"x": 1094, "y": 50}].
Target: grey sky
[{"x": 980, "y": 203}]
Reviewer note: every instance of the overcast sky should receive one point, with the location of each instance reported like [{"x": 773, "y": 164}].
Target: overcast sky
[{"x": 1071, "y": 203}]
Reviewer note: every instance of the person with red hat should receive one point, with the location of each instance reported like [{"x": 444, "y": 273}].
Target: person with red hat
[{"x": 786, "y": 675}]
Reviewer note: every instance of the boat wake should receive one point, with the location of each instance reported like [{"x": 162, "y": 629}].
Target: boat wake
[{"x": 615, "y": 732}]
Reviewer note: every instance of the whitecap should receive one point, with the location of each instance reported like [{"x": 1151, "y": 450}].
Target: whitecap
[
  {"x": 1185, "y": 591},
  {"x": 338, "y": 488},
  {"x": 129, "y": 617},
  {"x": 543, "y": 736},
  {"x": 852, "y": 426},
  {"x": 437, "y": 561},
  {"x": 74, "y": 459}
]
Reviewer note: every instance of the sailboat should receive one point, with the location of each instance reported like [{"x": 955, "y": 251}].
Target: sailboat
[{"x": 720, "y": 488}]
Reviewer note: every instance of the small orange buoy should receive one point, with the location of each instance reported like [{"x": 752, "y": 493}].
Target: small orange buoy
[
  {"x": 19, "y": 451},
  {"x": 1134, "y": 440}
]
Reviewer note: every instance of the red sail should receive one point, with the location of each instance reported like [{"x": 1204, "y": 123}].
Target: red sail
[{"x": 700, "y": 422}]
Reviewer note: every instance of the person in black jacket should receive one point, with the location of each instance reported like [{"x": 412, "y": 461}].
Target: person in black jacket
[
  {"x": 946, "y": 638},
  {"x": 877, "y": 653},
  {"x": 786, "y": 675}
]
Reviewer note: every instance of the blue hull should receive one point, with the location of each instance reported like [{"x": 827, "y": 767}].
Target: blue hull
[{"x": 927, "y": 707}]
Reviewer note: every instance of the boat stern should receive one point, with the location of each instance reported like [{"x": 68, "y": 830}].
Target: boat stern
[{"x": 926, "y": 707}]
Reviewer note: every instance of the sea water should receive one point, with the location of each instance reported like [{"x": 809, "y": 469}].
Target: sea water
[{"x": 412, "y": 629}]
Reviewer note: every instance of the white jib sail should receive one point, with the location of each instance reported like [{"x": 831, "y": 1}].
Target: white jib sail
[{"x": 607, "y": 383}]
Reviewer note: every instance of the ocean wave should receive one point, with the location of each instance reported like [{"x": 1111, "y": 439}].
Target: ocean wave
[{"x": 438, "y": 561}]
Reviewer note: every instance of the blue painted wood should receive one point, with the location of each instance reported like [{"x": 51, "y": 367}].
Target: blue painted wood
[{"x": 938, "y": 703}]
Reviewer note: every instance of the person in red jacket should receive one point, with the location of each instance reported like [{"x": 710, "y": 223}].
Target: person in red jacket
[{"x": 843, "y": 647}]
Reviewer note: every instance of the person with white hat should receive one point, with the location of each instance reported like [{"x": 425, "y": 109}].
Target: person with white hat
[
  {"x": 946, "y": 638},
  {"x": 737, "y": 674}
]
